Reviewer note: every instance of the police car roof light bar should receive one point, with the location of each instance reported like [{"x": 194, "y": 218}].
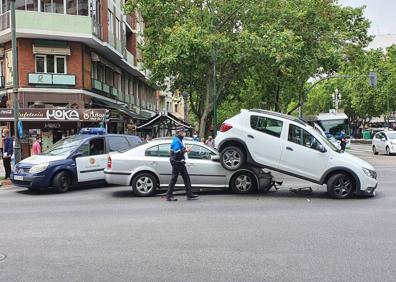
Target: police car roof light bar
[{"x": 93, "y": 131}]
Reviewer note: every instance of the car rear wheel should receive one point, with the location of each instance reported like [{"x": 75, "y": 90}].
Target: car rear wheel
[
  {"x": 243, "y": 183},
  {"x": 144, "y": 185},
  {"x": 375, "y": 151},
  {"x": 62, "y": 182},
  {"x": 232, "y": 158},
  {"x": 340, "y": 186}
]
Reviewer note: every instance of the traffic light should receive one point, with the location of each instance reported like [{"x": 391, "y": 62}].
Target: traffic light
[
  {"x": 107, "y": 116},
  {"x": 373, "y": 79}
]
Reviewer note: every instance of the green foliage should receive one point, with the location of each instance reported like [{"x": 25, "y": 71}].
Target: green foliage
[{"x": 264, "y": 50}]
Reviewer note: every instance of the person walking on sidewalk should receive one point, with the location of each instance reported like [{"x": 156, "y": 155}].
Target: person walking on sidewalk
[
  {"x": 8, "y": 152},
  {"x": 178, "y": 162},
  {"x": 36, "y": 147}
]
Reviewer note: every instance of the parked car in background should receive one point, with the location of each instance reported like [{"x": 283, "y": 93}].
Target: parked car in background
[
  {"x": 384, "y": 142},
  {"x": 73, "y": 160},
  {"x": 147, "y": 169},
  {"x": 289, "y": 145}
]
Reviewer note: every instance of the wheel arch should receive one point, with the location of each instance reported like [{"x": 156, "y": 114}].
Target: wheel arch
[{"x": 329, "y": 173}]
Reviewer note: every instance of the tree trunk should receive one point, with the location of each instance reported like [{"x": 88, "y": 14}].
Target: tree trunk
[{"x": 207, "y": 107}]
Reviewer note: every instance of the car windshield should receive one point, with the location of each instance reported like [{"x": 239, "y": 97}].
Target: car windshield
[
  {"x": 391, "y": 135},
  {"x": 65, "y": 146}
]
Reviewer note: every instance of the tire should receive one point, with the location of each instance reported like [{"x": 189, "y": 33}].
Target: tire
[
  {"x": 144, "y": 185},
  {"x": 341, "y": 186},
  {"x": 243, "y": 183},
  {"x": 375, "y": 151},
  {"x": 388, "y": 151},
  {"x": 62, "y": 182},
  {"x": 232, "y": 158}
]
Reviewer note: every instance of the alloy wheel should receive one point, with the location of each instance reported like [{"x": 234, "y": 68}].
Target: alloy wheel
[
  {"x": 232, "y": 159},
  {"x": 343, "y": 187},
  {"x": 144, "y": 185},
  {"x": 243, "y": 183}
]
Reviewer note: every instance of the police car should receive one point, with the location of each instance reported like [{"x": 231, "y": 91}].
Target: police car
[{"x": 76, "y": 159}]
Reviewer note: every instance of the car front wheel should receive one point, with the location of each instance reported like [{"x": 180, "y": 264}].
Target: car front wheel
[
  {"x": 62, "y": 182},
  {"x": 340, "y": 186},
  {"x": 375, "y": 151},
  {"x": 144, "y": 185},
  {"x": 243, "y": 183},
  {"x": 388, "y": 151},
  {"x": 232, "y": 158}
]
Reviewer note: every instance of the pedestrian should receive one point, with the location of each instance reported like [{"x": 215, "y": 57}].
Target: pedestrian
[
  {"x": 195, "y": 136},
  {"x": 203, "y": 140},
  {"x": 210, "y": 142},
  {"x": 148, "y": 138},
  {"x": 343, "y": 140},
  {"x": 8, "y": 152},
  {"x": 178, "y": 162},
  {"x": 36, "y": 147}
]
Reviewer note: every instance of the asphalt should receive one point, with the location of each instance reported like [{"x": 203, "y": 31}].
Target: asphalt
[{"x": 107, "y": 234}]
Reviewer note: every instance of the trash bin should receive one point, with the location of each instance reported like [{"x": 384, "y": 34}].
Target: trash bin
[{"x": 366, "y": 134}]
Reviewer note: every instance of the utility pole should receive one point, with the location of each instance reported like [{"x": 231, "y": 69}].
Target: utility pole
[{"x": 15, "y": 84}]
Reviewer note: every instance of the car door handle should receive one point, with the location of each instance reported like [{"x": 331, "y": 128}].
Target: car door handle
[
  {"x": 289, "y": 148},
  {"x": 251, "y": 136}
]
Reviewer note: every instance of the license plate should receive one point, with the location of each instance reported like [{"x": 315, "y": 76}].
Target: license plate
[{"x": 18, "y": 177}]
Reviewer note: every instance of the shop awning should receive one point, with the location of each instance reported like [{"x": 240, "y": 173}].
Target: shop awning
[
  {"x": 162, "y": 118},
  {"x": 119, "y": 107}
]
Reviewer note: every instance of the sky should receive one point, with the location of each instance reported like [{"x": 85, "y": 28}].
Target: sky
[{"x": 381, "y": 13}]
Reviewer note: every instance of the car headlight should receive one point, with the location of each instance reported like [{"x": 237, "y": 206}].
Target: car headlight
[
  {"x": 370, "y": 173},
  {"x": 38, "y": 168}
]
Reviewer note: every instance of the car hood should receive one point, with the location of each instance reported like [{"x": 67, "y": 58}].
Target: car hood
[
  {"x": 349, "y": 158},
  {"x": 39, "y": 159}
]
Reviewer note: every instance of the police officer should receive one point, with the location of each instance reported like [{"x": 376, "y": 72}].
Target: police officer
[{"x": 178, "y": 163}]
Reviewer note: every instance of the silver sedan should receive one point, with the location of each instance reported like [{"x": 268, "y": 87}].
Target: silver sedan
[{"x": 147, "y": 169}]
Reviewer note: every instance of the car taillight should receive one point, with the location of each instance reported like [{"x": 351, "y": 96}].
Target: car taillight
[
  {"x": 225, "y": 127},
  {"x": 109, "y": 163}
]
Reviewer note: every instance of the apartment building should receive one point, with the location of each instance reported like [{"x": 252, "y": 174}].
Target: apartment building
[{"x": 76, "y": 58}]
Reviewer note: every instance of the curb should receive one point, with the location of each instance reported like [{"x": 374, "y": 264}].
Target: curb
[{"x": 5, "y": 183}]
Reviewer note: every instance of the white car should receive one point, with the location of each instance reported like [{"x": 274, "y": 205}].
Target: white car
[
  {"x": 384, "y": 142},
  {"x": 148, "y": 170},
  {"x": 289, "y": 145}
]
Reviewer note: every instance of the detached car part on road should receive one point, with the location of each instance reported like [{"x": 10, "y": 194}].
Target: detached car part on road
[
  {"x": 148, "y": 170},
  {"x": 289, "y": 145},
  {"x": 73, "y": 160}
]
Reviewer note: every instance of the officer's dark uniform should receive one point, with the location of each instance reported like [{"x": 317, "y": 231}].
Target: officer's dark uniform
[{"x": 178, "y": 162}]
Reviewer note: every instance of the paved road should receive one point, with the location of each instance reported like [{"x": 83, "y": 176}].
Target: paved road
[{"x": 107, "y": 234}]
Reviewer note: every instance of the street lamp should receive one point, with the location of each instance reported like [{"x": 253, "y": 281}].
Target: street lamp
[
  {"x": 17, "y": 148},
  {"x": 185, "y": 95}
]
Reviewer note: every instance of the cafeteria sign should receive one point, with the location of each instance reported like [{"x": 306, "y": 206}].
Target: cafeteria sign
[{"x": 54, "y": 114}]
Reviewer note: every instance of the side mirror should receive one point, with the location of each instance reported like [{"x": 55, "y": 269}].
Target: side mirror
[
  {"x": 215, "y": 158},
  {"x": 321, "y": 148}
]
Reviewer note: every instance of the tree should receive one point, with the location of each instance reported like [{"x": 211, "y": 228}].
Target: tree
[{"x": 264, "y": 51}]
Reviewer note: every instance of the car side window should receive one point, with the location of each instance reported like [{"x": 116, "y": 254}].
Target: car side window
[
  {"x": 200, "y": 153},
  {"x": 118, "y": 143},
  {"x": 302, "y": 137},
  {"x": 152, "y": 152},
  {"x": 164, "y": 150},
  {"x": 267, "y": 125},
  {"x": 92, "y": 147},
  {"x": 96, "y": 146}
]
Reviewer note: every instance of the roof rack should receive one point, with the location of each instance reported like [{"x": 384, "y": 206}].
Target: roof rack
[{"x": 276, "y": 114}]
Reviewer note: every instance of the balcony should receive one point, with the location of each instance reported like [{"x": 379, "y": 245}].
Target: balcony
[
  {"x": 130, "y": 58},
  {"x": 100, "y": 86},
  {"x": 52, "y": 79},
  {"x": 5, "y": 21}
]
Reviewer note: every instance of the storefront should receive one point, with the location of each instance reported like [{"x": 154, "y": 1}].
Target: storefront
[{"x": 50, "y": 125}]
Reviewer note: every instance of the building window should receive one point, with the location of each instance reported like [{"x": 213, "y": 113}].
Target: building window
[
  {"x": 57, "y": 7},
  {"x": 111, "y": 22},
  {"x": 50, "y": 64},
  {"x": 82, "y": 8}
]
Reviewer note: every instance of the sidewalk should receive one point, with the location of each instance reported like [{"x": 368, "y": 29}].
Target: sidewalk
[{"x": 3, "y": 183}]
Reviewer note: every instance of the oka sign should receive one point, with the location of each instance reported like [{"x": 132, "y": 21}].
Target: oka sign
[{"x": 63, "y": 114}]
